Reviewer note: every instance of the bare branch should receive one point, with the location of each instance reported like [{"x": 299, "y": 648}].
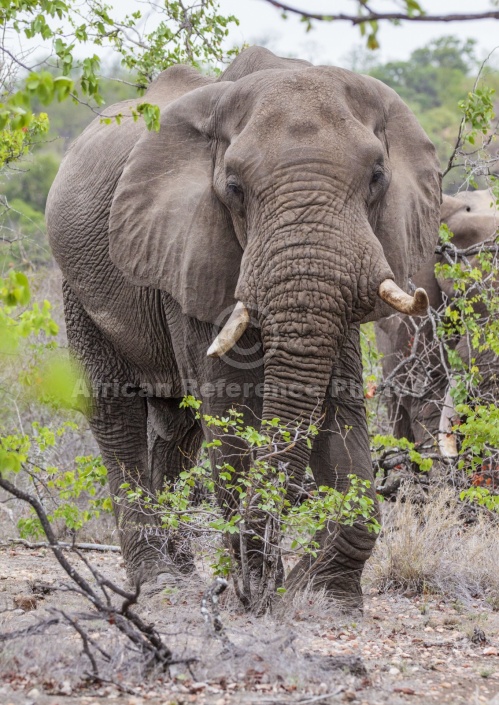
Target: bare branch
[
  {"x": 373, "y": 16},
  {"x": 15, "y": 59},
  {"x": 38, "y": 628},
  {"x": 142, "y": 635}
]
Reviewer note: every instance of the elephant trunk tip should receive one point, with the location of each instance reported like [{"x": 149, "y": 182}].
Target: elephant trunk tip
[{"x": 393, "y": 295}]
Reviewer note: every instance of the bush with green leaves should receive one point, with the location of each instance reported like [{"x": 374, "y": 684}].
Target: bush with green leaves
[
  {"x": 14, "y": 326},
  {"x": 465, "y": 329},
  {"x": 261, "y": 515},
  {"x": 74, "y": 495},
  {"x": 71, "y": 497},
  {"x": 469, "y": 323},
  {"x": 466, "y": 340},
  {"x": 473, "y": 315},
  {"x": 262, "y": 511}
]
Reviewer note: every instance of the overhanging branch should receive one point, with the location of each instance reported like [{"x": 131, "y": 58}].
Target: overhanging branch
[{"x": 382, "y": 16}]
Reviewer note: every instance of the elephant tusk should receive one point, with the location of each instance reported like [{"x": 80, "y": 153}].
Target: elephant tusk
[
  {"x": 231, "y": 332},
  {"x": 446, "y": 437},
  {"x": 447, "y": 445},
  {"x": 416, "y": 305}
]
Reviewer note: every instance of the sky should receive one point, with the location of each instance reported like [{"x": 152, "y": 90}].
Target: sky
[{"x": 332, "y": 43}]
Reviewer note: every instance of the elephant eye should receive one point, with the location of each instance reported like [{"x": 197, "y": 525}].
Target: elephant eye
[
  {"x": 377, "y": 175},
  {"x": 234, "y": 188}
]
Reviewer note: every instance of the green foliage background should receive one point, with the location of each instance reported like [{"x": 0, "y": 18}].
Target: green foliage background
[{"x": 41, "y": 112}]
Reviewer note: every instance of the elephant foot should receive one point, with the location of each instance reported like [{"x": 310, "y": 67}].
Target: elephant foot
[
  {"x": 340, "y": 584},
  {"x": 170, "y": 583},
  {"x": 153, "y": 576},
  {"x": 149, "y": 554},
  {"x": 162, "y": 577},
  {"x": 350, "y": 601}
]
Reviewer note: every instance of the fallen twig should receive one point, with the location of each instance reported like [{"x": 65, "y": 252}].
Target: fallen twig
[
  {"x": 316, "y": 698},
  {"x": 63, "y": 544},
  {"x": 119, "y": 686},
  {"x": 306, "y": 700},
  {"x": 37, "y": 628}
]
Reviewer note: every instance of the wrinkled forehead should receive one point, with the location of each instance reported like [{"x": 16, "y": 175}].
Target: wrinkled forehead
[{"x": 299, "y": 102}]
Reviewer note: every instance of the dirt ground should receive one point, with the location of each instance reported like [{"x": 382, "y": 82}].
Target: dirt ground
[{"x": 410, "y": 649}]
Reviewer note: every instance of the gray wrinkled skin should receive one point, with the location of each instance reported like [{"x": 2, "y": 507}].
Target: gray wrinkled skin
[
  {"x": 471, "y": 218},
  {"x": 296, "y": 189}
]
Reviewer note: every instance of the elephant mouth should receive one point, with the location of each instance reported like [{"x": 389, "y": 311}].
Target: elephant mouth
[{"x": 388, "y": 291}]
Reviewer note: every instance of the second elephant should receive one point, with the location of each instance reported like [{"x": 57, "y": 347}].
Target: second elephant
[{"x": 415, "y": 364}]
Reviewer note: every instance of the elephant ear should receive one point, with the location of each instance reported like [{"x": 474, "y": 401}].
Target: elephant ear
[
  {"x": 408, "y": 220},
  {"x": 256, "y": 59},
  {"x": 167, "y": 229}
]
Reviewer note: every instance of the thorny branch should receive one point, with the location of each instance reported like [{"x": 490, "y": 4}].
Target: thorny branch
[
  {"x": 423, "y": 369},
  {"x": 449, "y": 247},
  {"x": 257, "y": 514}
]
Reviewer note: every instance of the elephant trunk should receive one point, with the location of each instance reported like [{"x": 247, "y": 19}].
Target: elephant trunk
[
  {"x": 310, "y": 302},
  {"x": 306, "y": 300}
]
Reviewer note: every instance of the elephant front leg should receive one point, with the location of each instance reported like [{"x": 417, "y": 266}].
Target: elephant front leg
[
  {"x": 174, "y": 440},
  {"x": 117, "y": 415},
  {"x": 341, "y": 449},
  {"x": 145, "y": 442},
  {"x": 120, "y": 428}
]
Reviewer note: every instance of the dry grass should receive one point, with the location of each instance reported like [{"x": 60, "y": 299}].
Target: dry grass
[
  {"x": 251, "y": 651},
  {"x": 427, "y": 548},
  {"x": 423, "y": 549}
]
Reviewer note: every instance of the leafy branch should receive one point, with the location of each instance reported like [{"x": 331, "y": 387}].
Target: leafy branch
[
  {"x": 186, "y": 31},
  {"x": 477, "y": 116}
]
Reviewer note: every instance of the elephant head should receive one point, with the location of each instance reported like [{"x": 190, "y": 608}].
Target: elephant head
[
  {"x": 300, "y": 193},
  {"x": 473, "y": 218}
]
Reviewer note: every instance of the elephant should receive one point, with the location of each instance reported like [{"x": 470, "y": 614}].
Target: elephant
[
  {"x": 422, "y": 410},
  {"x": 288, "y": 201}
]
